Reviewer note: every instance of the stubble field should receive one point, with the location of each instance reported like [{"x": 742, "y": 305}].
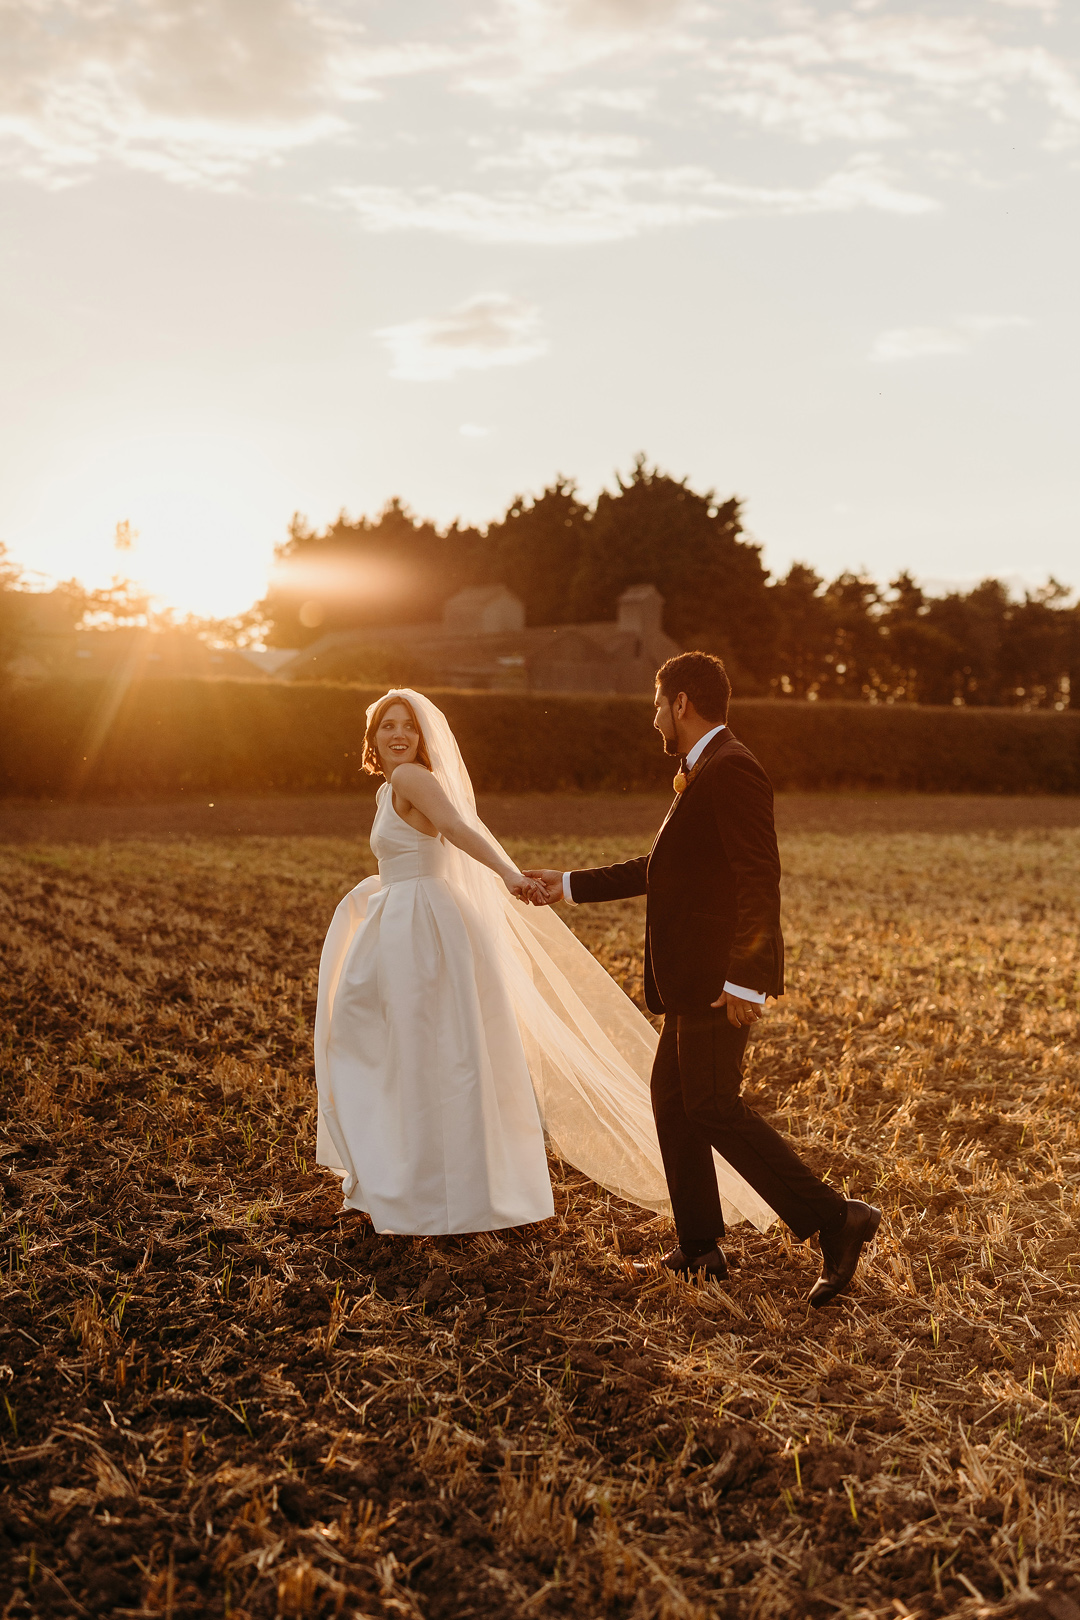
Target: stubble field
[{"x": 220, "y": 1396}]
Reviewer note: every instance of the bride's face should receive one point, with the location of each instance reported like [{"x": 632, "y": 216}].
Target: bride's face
[{"x": 397, "y": 738}]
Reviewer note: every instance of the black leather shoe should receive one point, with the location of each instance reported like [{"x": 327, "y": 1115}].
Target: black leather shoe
[
  {"x": 840, "y": 1253},
  {"x": 709, "y": 1264}
]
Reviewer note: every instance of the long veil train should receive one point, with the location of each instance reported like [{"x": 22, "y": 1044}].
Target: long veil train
[{"x": 589, "y": 1049}]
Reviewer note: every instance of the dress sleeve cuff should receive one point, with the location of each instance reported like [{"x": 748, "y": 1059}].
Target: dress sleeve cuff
[
  {"x": 735, "y": 989},
  {"x": 569, "y": 898}
]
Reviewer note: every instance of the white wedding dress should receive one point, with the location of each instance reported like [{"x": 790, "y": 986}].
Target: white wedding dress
[
  {"x": 456, "y": 1029},
  {"x": 434, "y": 1103}
]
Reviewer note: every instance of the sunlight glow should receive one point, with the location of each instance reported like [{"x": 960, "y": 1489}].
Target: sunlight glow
[{"x": 199, "y": 514}]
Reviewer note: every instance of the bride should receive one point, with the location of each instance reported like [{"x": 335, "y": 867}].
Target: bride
[{"x": 456, "y": 1029}]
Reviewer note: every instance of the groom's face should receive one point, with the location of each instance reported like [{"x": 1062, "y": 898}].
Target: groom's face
[{"x": 664, "y": 722}]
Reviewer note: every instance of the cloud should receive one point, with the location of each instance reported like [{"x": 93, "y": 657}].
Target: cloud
[
  {"x": 531, "y": 42},
  {"x": 575, "y": 210},
  {"x": 813, "y": 107},
  {"x": 190, "y": 92},
  {"x": 601, "y": 203},
  {"x": 209, "y": 92},
  {"x": 917, "y": 342},
  {"x": 559, "y": 149},
  {"x": 490, "y": 330},
  {"x": 866, "y": 71},
  {"x": 981, "y": 325},
  {"x": 922, "y": 342},
  {"x": 877, "y": 75},
  {"x": 631, "y": 99}
]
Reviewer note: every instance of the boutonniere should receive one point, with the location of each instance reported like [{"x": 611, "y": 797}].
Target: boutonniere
[{"x": 684, "y": 778}]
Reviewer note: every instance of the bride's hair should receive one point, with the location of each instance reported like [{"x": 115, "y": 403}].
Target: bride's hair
[{"x": 370, "y": 760}]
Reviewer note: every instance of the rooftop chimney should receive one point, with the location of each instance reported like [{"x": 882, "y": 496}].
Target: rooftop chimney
[{"x": 641, "y": 609}]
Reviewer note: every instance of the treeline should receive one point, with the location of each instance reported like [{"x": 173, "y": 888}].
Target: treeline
[{"x": 799, "y": 636}]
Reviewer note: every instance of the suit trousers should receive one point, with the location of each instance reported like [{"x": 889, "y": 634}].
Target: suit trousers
[{"x": 696, "y": 1085}]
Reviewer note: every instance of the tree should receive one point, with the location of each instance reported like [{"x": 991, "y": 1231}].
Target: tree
[
  {"x": 797, "y": 637},
  {"x": 923, "y": 656},
  {"x": 11, "y": 618},
  {"x": 1070, "y": 649},
  {"x": 536, "y": 548},
  {"x": 855, "y": 662},
  {"x": 655, "y": 530},
  {"x": 1035, "y": 656},
  {"x": 802, "y": 636},
  {"x": 123, "y": 605},
  {"x": 972, "y": 622},
  {"x": 394, "y": 570}
]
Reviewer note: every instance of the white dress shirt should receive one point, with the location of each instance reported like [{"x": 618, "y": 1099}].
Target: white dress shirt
[
  {"x": 691, "y": 760},
  {"x": 700, "y": 746}
]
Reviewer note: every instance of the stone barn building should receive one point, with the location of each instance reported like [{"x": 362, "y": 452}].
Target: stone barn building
[{"x": 483, "y": 643}]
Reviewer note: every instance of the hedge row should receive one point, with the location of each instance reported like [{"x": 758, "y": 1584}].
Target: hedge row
[{"x": 72, "y": 739}]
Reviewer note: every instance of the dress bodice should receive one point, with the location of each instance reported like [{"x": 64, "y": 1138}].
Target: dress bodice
[{"x": 403, "y": 853}]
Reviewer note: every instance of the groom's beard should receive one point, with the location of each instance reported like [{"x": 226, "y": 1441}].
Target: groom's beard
[{"x": 671, "y": 747}]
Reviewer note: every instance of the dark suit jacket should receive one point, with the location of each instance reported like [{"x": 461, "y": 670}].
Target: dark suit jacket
[{"x": 713, "y": 883}]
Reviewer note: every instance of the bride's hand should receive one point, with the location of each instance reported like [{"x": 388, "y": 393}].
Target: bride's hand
[{"x": 525, "y": 889}]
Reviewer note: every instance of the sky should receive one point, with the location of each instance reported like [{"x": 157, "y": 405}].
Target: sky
[{"x": 260, "y": 257}]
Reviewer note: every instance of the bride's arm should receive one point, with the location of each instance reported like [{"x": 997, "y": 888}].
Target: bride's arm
[{"x": 417, "y": 786}]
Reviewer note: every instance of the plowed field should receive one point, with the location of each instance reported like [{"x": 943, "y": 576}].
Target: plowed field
[{"x": 220, "y": 1396}]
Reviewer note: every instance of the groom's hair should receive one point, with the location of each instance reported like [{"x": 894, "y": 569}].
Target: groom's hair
[
  {"x": 370, "y": 760},
  {"x": 704, "y": 680}
]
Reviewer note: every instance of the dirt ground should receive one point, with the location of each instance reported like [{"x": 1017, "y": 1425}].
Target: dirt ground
[
  {"x": 520, "y": 815},
  {"x": 221, "y": 1396}
]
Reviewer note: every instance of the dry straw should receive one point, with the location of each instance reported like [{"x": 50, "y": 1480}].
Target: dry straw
[{"x": 220, "y": 1397}]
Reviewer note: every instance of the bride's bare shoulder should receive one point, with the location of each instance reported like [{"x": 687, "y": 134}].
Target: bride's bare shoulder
[{"x": 409, "y": 777}]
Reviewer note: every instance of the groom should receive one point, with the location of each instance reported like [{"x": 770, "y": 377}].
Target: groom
[{"x": 713, "y": 953}]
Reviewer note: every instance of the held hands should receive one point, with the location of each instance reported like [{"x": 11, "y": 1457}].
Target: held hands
[
  {"x": 548, "y": 883},
  {"x": 740, "y": 1012},
  {"x": 524, "y": 887}
]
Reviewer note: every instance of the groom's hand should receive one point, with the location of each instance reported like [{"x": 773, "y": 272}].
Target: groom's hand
[
  {"x": 739, "y": 1012},
  {"x": 552, "y": 884}
]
